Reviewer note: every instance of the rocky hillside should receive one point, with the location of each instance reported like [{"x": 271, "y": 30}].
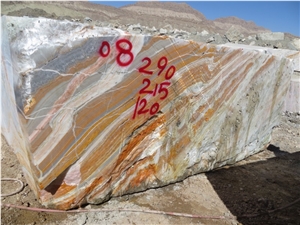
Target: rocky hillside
[
  {"x": 178, "y": 20},
  {"x": 182, "y": 10},
  {"x": 243, "y": 26},
  {"x": 158, "y": 14},
  {"x": 182, "y": 16}
]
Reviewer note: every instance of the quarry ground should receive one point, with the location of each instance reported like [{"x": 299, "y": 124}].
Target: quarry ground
[{"x": 262, "y": 189}]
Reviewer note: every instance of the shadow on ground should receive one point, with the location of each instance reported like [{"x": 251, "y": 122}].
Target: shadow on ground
[{"x": 254, "y": 189}]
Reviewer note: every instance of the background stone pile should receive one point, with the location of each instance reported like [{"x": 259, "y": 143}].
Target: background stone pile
[{"x": 269, "y": 39}]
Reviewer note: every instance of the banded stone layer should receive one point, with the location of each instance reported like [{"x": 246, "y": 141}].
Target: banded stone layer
[{"x": 106, "y": 113}]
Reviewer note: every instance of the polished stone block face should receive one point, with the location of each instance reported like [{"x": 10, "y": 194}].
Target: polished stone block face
[
  {"x": 292, "y": 100},
  {"x": 103, "y": 113}
]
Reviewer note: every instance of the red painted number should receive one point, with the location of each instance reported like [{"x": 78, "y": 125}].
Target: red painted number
[
  {"x": 143, "y": 68},
  {"x": 155, "y": 90},
  {"x": 124, "y": 47},
  {"x": 144, "y": 89},
  {"x": 143, "y": 103},
  {"x": 123, "y": 52},
  {"x": 154, "y": 108},
  {"x": 169, "y": 74},
  {"x": 142, "y": 110},
  {"x": 161, "y": 65},
  {"x": 106, "y": 45},
  {"x": 163, "y": 89}
]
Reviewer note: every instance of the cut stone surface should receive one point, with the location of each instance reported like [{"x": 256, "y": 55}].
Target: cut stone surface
[
  {"x": 271, "y": 36},
  {"x": 233, "y": 35},
  {"x": 296, "y": 43},
  {"x": 94, "y": 112},
  {"x": 292, "y": 102},
  {"x": 292, "y": 99}
]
